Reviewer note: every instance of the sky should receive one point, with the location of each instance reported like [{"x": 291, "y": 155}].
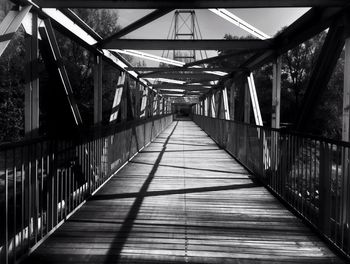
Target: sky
[{"x": 268, "y": 20}]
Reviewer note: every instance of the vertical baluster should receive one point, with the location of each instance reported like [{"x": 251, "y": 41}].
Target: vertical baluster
[
  {"x": 301, "y": 175},
  {"x": 42, "y": 177},
  {"x": 36, "y": 195},
  {"x": 6, "y": 209},
  {"x": 324, "y": 189},
  {"x": 55, "y": 173},
  {"x": 293, "y": 168},
  {"x": 345, "y": 170},
  {"x": 22, "y": 198},
  {"x": 337, "y": 211},
  {"x": 315, "y": 177},
  {"x": 14, "y": 204},
  {"x": 308, "y": 177},
  {"x": 61, "y": 178},
  {"x": 29, "y": 206}
]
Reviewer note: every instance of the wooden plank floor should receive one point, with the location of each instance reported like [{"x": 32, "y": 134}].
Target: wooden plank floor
[{"x": 183, "y": 200}]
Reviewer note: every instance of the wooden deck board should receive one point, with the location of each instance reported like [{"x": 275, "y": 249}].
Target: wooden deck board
[{"x": 183, "y": 200}]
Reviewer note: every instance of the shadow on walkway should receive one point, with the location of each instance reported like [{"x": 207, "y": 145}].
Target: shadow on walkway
[{"x": 121, "y": 237}]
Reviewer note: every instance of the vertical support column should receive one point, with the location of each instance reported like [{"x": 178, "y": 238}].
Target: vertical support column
[
  {"x": 155, "y": 104},
  {"x": 213, "y": 108},
  {"x": 98, "y": 90},
  {"x": 346, "y": 93},
  {"x": 276, "y": 93},
  {"x": 202, "y": 107},
  {"x": 247, "y": 104},
  {"x": 206, "y": 106},
  {"x": 346, "y": 137},
  {"x": 32, "y": 80},
  {"x": 226, "y": 105},
  {"x": 158, "y": 103},
  {"x": 275, "y": 117},
  {"x": 219, "y": 104},
  {"x": 325, "y": 195},
  {"x": 124, "y": 101},
  {"x": 118, "y": 97},
  {"x": 150, "y": 103},
  {"x": 232, "y": 101},
  {"x": 143, "y": 110},
  {"x": 139, "y": 99}
]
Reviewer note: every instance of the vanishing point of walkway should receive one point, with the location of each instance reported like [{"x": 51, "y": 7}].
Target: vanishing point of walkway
[{"x": 183, "y": 200}]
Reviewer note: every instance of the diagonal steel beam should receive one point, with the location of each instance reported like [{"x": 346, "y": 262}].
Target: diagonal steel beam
[
  {"x": 138, "y": 24},
  {"x": 321, "y": 74},
  {"x": 48, "y": 35},
  {"x": 311, "y": 23},
  {"x": 10, "y": 25},
  {"x": 228, "y": 16}
]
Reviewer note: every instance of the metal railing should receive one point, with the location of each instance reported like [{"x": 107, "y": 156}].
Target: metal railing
[
  {"x": 43, "y": 181},
  {"x": 309, "y": 173}
]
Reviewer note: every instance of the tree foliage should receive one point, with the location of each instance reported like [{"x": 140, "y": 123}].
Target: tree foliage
[{"x": 12, "y": 85}]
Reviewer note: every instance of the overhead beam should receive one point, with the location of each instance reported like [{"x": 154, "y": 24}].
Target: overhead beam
[
  {"x": 181, "y": 92},
  {"x": 218, "y": 58},
  {"x": 179, "y": 86},
  {"x": 209, "y": 44},
  {"x": 180, "y": 69},
  {"x": 204, "y": 90},
  {"x": 148, "y": 56},
  {"x": 181, "y": 76},
  {"x": 177, "y": 4},
  {"x": 134, "y": 26}
]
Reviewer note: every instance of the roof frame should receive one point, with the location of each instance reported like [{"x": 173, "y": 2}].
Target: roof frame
[
  {"x": 314, "y": 21},
  {"x": 185, "y": 4}
]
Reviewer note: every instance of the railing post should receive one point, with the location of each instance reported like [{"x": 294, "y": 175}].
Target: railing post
[
  {"x": 31, "y": 104},
  {"x": 325, "y": 199},
  {"x": 232, "y": 101},
  {"x": 98, "y": 90}
]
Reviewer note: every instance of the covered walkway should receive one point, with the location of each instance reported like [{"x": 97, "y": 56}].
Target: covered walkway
[{"x": 183, "y": 200}]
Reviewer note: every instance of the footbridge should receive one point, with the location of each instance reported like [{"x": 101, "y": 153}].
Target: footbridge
[{"x": 180, "y": 167}]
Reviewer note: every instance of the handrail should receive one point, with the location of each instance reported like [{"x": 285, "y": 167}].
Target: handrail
[
  {"x": 288, "y": 131},
  {"x": 310, "y": 174},
  {"x": 44, "y": 180}
]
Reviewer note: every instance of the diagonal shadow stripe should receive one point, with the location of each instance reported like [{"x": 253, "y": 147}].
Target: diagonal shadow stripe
[
  {"x": 124, "y": 232},
  {"x": 179, "y": 191},
  {"x": 189, "y": 168}
]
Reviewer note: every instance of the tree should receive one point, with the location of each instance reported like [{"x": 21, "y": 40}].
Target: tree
[{"x": 12, "y": 84}]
